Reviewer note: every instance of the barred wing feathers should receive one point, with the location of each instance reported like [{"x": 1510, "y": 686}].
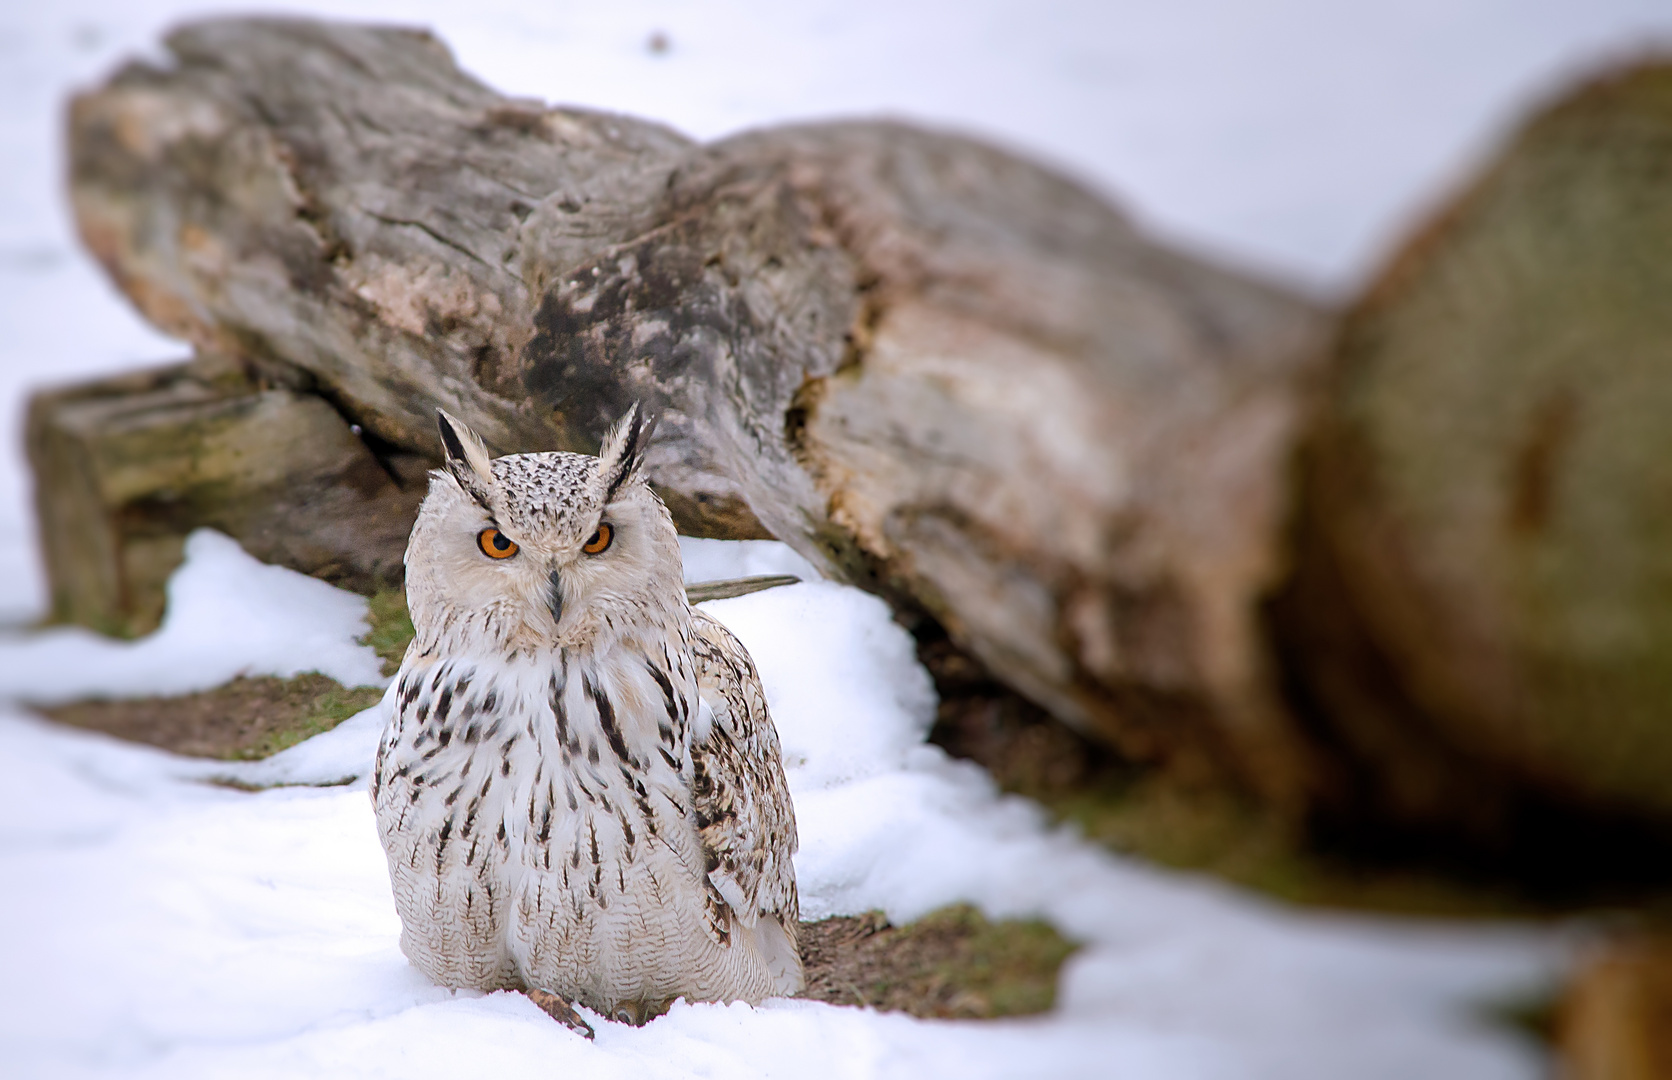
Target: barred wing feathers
[{"x": 742, "y": 801}]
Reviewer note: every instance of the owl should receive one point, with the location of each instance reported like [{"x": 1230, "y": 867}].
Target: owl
[{"x": 579, "y": 789}]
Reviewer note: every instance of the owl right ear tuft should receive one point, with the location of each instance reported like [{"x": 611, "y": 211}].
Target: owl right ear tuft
[
  {"x": 622, "y": 454},
  {"x": 467, "y": 458}
]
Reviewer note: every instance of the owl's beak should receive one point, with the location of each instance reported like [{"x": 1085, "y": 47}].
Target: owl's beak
[{"x": 554, "y": 596}]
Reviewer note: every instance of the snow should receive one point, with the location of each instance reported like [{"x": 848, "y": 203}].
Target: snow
[
  {"x": 279, "y": 623},
  {"x": 717, "y": 560},
  {"x": 157, "y": 924}
]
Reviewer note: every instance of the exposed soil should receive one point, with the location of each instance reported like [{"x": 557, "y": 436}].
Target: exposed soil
[
  {"x": 950, "y": 964},
  {"x": 244, "y": 720}
]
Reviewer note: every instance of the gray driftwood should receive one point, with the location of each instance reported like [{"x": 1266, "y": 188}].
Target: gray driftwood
[{"x": 936, "y": 370}]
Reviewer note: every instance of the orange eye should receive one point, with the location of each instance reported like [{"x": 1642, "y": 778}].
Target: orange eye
[
  {"x": 600, "y": 539},
  {"x": 495, "y": 544}
]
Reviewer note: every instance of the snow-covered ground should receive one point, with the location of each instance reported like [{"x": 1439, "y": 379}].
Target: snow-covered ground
[{"x": 153, "y": 923}]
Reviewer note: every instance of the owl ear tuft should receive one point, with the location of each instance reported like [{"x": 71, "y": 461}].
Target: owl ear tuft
[
  {"x": 622, "y": 454},
  {"x": 467, "y": 458}
]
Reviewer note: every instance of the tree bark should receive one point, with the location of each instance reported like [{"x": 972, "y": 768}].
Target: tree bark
[{"x": 935, "y": 369}]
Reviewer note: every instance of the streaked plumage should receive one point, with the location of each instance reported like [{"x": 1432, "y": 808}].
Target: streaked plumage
[{"x": 579, "y": 790}]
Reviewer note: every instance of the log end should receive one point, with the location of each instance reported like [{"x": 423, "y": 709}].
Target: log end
[{"x": 126, "y": 467}]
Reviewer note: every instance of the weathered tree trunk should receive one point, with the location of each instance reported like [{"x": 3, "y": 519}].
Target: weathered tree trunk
[
  {"x": 1481, "y": 625},
  {"x": 935, "y": 369}
]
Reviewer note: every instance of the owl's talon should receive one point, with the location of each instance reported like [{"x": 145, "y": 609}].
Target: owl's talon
[
  {"x": 639, "y": 1013},
  {"x": 559, "y": 1008}
]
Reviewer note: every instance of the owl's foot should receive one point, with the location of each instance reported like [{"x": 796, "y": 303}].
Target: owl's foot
[
  {"x": 639, "y": 1013},
  {"x": 561, "y": 1009}
]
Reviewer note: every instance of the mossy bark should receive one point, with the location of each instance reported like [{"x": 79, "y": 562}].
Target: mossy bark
[{"x": 125, "y": 468}]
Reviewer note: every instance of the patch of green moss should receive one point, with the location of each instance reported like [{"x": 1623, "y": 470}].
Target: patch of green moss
[
  {"x": 1011, "y": 965},
  {"x": 244, "y": 720},
  {"x": 319, "y": 710},
  {"x": 953, "y": 964},
  {"x": 391, "y": 630}
]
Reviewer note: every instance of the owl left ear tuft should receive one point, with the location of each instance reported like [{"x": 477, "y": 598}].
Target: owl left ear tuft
[
  {"x": 467, "y": 458},
  {"x": 622, "y": 454}
]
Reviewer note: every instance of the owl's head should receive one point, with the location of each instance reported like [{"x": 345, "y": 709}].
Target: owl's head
[{"x": 534, "y": 551}]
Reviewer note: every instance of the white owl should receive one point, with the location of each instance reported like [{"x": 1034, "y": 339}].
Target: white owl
[{"x": 579, "y": 790}]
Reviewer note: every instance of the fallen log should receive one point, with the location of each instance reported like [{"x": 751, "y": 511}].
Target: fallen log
[{"x": 936, "y": 370}]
